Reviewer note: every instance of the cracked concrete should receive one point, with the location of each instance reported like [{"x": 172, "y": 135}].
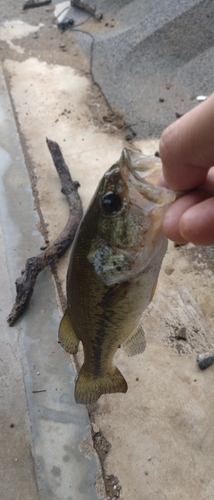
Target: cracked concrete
[{"x": 156, "y": 441}]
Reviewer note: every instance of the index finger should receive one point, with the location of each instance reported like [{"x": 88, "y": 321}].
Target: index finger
[{"x": 187, "y": 147}]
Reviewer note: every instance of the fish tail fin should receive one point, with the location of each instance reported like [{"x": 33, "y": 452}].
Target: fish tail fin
[
  {"x": 90, "y": 387},
  {"x": 66, "y": 336}
]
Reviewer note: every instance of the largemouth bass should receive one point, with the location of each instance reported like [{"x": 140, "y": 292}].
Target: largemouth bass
[{"x": 112, "y": 275}]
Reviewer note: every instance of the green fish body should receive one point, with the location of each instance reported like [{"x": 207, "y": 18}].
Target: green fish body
[{"x": 112, "y": 275}]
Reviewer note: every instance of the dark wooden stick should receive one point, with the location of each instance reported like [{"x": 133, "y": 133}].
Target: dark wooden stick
[
  {"x": 34, "y": 265},
  {"x": 32, "y": 5}
]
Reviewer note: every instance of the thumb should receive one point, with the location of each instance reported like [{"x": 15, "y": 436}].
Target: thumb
[{"x": 187, "y": 147}]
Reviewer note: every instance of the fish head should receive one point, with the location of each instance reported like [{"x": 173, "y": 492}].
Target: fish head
[
  {"x": 130, "y": 211},
  {"x": 131, "y": 208}
]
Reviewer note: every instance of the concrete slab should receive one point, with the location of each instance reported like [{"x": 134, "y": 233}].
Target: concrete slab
[
  {"x": 49, "y": 456},
  {"x": 17, "y": 473}
]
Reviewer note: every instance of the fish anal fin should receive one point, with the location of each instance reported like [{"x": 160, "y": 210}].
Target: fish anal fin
[
  {"x": 136, "y": 343},
  {"x": 89, "y": 387},
  {"x": 66, "y": 336}
]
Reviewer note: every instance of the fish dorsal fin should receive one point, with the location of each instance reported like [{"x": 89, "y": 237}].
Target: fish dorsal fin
[
  {"x": 66, "y": 336},
  {"x": 136, "y": 343}
]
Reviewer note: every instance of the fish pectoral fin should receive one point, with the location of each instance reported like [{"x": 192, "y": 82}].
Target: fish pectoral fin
[
  {"x": 136, "y": 343},
  {"x": 89, "y": 387},
  {"x": 66, "y": 336}
]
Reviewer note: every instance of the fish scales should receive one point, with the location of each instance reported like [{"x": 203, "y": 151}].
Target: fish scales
[{"x": 113, "y": 271}]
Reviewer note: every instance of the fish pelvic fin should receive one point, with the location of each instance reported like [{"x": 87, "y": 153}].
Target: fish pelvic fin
[
  {"x": 89, "y": 387},
  {"x": 66, "y": 336},
  {"x": 136, "y": 343},
  {"x": 153, "y": 290}
]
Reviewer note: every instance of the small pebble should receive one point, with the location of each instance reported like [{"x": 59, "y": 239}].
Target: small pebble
[
  {"x": 205, "y": 360},
  {"x": 169, "y": 270},
  {"x": 38, "y": 373},
  {"x": 98, "y": 16}
]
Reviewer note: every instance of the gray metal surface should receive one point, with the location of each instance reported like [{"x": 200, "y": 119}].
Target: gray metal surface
[{"x": 58, "y": 426}]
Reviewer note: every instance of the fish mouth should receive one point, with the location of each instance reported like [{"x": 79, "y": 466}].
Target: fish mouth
[{"x": 134, "y": 167}]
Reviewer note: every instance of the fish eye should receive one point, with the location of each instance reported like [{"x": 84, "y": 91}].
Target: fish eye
[{"x": 111, "y": 202}]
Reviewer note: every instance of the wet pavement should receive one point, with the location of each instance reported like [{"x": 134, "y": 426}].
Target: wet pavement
[{"x": 156, "y": 441}]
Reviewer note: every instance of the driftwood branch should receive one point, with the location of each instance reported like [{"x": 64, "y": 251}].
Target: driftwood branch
[{"x": 34, "y": 265}]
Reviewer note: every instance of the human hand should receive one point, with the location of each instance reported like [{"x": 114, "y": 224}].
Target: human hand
[{"x": 187, "y": 152}]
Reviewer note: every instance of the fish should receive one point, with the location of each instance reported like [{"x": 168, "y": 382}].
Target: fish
[{"x": 113, "y": 271}]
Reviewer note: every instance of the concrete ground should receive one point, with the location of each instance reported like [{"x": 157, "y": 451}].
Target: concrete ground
[{"x": 157, "y": 440}]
